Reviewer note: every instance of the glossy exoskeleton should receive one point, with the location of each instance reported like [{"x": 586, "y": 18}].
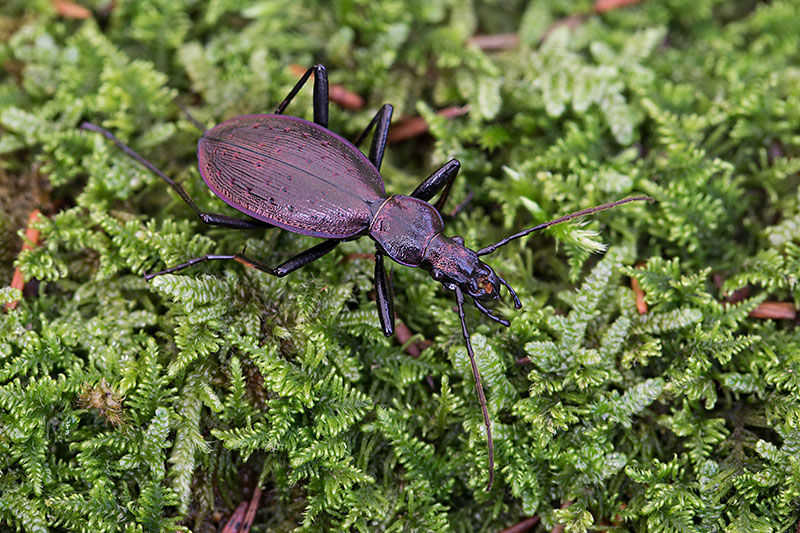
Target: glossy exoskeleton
[{"x": 298, "y": 175}]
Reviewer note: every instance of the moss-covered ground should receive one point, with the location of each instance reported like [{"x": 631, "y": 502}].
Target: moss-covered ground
[{"x": 128, "y": 405}]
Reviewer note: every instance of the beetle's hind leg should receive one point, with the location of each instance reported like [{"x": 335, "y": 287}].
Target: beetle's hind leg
[
  {"x": 213, "y": 219},
  {"x": 287, "y": 267},
  {"x": 196, "y": 123},
  {"x": 320, "y": 94}
]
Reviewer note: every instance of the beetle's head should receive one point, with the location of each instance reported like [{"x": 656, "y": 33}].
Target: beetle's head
[
  {"x": 453, "y": 264},
  {"x": 483, "y": 283}
]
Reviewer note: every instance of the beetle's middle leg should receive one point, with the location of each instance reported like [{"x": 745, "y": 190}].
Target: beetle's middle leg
[
  {"x": 287, "y": 267},
  {"x": 212, "y": 219}
]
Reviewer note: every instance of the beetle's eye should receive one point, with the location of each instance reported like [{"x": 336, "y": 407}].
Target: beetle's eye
[{"x": 437, "y": 274}]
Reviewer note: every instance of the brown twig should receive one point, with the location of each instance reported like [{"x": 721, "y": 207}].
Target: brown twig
[
  {"x": 560, "y": 527},
  {"x": 570, "y": 22},
  {"x": 356, "y": 255},
  {"x": 71, "y": 10},
  {"x": 404, "y": 335},
  {"x": 251, "y": 510},
  {"x": 31, "y": 240},
  {"x": 339, "y": 95},
  {"x": 775, "y": 310},
  {"x": 409, "y": 127},
  {"x": 493, "y": 42},
  {"x": 604, "y": 6},
  {"x": 617, "y": 517},
  {"x": 641, "y": 305},
  {"x": 507, "y": 41},
  {"x": 235, "y": 522},
  {"x": 736, "y": 296},
  {"x": 523, "y": 526}
]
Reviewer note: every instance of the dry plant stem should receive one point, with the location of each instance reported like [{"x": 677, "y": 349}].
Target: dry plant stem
[
  {"x": 496, "y": 41},
  {"x": 560, "y": 527},
  {"x": 234, "y": 523},
  {"x": 251, "y": 510},
  {"x": 604, "y": 6},
  {"x": 403, "y": 334},
  {"x": 507, "y": 41},
  {"x": 414, "y": 349},
  {"x": 414, "y": 126},
  {"x": 641, "y": 305},
  {"x": 356, "y": 255},
  {"x": 342, "y": 97},
  {"x": 71, "y": 10},
  {"x": 775, "y": 310},
  {"x": 523, "y": 526},
  {"x": 31, "y": 240}
]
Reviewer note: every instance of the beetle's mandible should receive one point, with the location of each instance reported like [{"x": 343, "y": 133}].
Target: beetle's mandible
[{"x": 297, "y": 175}]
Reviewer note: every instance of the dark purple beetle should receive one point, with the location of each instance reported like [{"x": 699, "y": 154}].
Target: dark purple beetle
[{"x": 297, "y": 175}]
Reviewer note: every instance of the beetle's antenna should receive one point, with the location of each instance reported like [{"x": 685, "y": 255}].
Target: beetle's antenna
[
  {"x": 188, "y": 115},
  {"x": 145, "y": 163},
  {"x": 478, "y": 386},
  {"x": 582, "y": 212}
]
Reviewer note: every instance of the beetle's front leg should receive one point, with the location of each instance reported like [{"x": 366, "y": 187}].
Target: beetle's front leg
[{"x": 442, "y": 178}]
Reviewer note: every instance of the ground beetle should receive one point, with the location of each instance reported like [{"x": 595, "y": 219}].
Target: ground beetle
[{"x": 298, "y": 175}]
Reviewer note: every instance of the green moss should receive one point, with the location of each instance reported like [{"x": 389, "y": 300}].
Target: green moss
[{"x": 221, "y": 377}]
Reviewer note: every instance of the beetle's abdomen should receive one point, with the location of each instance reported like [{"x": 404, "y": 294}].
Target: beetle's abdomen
[
  {"x": 403, "y": 226},
  {"x": 291, "y": 173}
]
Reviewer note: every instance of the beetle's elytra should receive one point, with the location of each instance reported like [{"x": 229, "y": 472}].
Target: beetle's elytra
[{"x": 297, "y": 175}]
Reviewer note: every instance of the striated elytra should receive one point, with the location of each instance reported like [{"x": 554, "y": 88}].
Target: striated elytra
[{"x": 298, "y": 175}]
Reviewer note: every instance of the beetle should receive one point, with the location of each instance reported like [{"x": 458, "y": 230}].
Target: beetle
[{"x": 298, "y": 175}]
